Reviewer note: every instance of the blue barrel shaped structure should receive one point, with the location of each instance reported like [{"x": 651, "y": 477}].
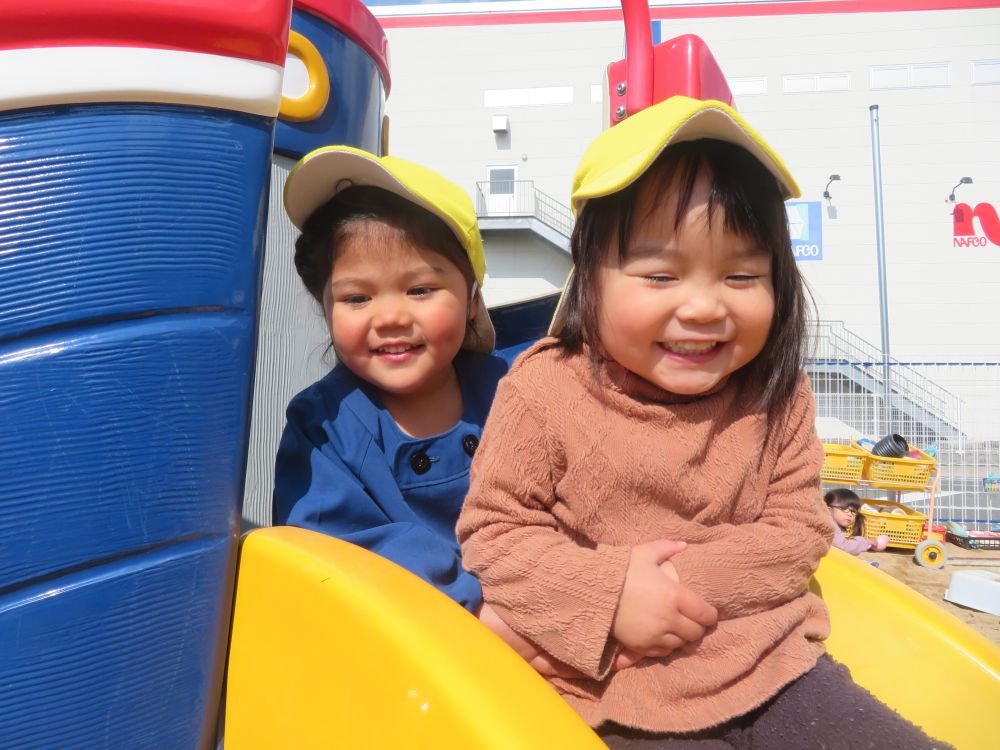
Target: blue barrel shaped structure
[
  {"x": 334, "y": 92},
  {"x": 135, "y": 145}
]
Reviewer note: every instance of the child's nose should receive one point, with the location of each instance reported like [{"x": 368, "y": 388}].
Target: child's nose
[
  {"x": 392, "y": 312},
  {"x": 701, "y": 305}
]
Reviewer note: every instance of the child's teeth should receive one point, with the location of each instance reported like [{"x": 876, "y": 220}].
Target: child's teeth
[{"x": 690, "y": 347}]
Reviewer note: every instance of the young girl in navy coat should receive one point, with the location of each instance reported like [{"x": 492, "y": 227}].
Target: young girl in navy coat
[{"x": 378, "y": 452}]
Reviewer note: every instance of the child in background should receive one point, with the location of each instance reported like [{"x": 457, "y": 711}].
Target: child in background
[
  {"x": 672, "y": 406},
  {"x": 377, "y": 453},
  {"x": 844, "y": 507}
]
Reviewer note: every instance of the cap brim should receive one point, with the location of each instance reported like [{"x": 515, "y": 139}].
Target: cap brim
[
  {"x": 622, "y": 154},
  {"x": 559, "y": 316},
  {"x": 483, "y": 337},
  {"x": 323, "y": 173}
]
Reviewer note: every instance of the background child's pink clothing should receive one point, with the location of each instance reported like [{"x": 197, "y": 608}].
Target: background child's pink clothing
[
  {"x": 854, "y": 545},
  {"x": 572, "y": 473}
]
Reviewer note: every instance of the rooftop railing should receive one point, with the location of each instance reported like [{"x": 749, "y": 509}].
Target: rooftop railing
[{"x": 520, "y": 198}]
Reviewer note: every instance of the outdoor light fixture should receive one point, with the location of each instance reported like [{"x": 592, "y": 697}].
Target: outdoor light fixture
[
  {"x": 836, "y": 178},
  {"x": 831, "y": 210},
  {"x": 963, "y": 181}
]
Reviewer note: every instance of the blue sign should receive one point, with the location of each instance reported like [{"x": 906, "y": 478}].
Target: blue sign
[{"x": 805, "y": 225}]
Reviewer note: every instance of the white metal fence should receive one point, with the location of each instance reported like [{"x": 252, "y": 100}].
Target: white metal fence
[{"x": 952, "y": 408}]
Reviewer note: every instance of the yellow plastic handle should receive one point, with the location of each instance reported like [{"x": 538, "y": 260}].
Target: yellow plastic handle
[{"x": 310, "y": 105}]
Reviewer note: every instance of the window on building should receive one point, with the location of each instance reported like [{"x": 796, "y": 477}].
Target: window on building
[
  {"x": 985, "y": 72},
  {"x": 528, "y": 97},
  {"x": 914, "y": 75},
  {"x": 502, "y": 180},
  {"x": 808, "y": 82},
  {"x": 932, "y": 74},
  {"x": 751, "y": 86}
]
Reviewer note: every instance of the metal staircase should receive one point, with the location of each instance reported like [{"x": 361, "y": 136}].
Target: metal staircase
[{"x": 849, "y": 380}]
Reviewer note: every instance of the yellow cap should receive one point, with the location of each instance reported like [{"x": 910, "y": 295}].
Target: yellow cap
[
  {"x": 323, "y": 173},
  {"x": 620, "y": 155}
]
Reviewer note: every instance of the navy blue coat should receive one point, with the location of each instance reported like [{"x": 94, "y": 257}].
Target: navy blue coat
[{"x": 346, "y": 469}]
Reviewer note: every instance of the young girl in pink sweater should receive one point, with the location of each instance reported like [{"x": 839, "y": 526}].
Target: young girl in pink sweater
[
  {"x": 645, "y": 504},
  {"x": 844, "y": 507}
]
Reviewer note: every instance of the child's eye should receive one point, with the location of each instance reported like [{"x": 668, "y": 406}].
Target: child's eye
[
  {"x": 658, "y": 278},
  {"x": 354, "y": 299},
  {"x": 420, "y": 291},
  {"x": 743, "y": 278}
]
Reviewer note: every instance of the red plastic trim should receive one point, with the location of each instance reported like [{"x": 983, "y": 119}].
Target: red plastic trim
[
  {"x": 639, "y": 60},
  {"x": 355, "y": 20},
  {"x": 794, "y": 8},
  {"x": 248, "y": 29},
  {"x": 683, "y": 65}
]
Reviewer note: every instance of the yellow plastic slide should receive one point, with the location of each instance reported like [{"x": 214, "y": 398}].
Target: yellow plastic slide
[
  {"x": 927, "y": 664},
  {"x": 334, "y": 647}
]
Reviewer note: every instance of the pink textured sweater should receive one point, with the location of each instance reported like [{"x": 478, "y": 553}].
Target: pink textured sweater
[{"x": 572, "y": 473}]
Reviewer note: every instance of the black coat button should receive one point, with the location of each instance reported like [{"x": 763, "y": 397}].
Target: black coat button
[
  {"x": 470, "y": 443},
  {"x": 420, "y": 463}
]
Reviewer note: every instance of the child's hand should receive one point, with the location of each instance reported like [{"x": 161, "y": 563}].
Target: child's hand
[
  {"x": 656, "y": 614},
  {"x": 879, "y": 542},
  {"x": 544, "y": 664},
  {"x": 626, "y": 658}
]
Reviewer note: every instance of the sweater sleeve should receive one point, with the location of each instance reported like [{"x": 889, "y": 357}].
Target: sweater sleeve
[
  {"x": 748, "y": 568},
  {"x": 560, "y": 594},
  {"x": 315, "y": 489},
  {"x": 854, "y": 546}
]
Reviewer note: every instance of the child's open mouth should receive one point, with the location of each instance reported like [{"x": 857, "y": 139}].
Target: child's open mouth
[
  {"x": 689, "y": 347},
  {"x": 397, "y": 352},
  {"x": 691, "y": 351}
]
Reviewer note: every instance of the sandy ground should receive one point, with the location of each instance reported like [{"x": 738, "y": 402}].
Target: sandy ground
[{"x": 932, "y": 583}]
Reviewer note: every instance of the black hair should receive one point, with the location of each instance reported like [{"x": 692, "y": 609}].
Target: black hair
[
  {"x": 847, "y": 497},
  {"x": 752, "y": 205},
  {"x": 376, "y": 215}
]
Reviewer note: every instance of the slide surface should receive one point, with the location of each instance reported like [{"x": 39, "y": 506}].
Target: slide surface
[
  {"x": 925, "y": 663},
  {"x": 334, "y": 646}
]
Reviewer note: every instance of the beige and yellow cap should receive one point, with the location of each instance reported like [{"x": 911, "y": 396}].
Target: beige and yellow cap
[
  {"x": 321, "y": 174},
  {"x": 621, "y": 155}
]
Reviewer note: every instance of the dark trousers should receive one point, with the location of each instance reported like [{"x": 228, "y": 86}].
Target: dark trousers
[{"x": 822, "y": 710}]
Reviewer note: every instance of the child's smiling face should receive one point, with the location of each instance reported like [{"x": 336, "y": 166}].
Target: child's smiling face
[
  {"x": 686, "y": 308},
  {"x": 397, "y": 312}
]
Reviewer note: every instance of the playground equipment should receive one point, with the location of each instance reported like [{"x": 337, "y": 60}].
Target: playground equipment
[
  {"x": 135, "y": 150},
  {"x": 136, "y": 139}
]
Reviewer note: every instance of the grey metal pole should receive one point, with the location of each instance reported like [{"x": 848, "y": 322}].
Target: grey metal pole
[{"x": 883, "y": 303}]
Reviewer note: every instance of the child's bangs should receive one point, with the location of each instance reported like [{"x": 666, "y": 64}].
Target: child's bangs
[
  {"x": 376, "y": 217},
  {"x": 740, "y": 187}
]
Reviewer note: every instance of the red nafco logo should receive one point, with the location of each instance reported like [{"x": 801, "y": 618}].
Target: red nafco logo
[{"x": 965, "y": 232}]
